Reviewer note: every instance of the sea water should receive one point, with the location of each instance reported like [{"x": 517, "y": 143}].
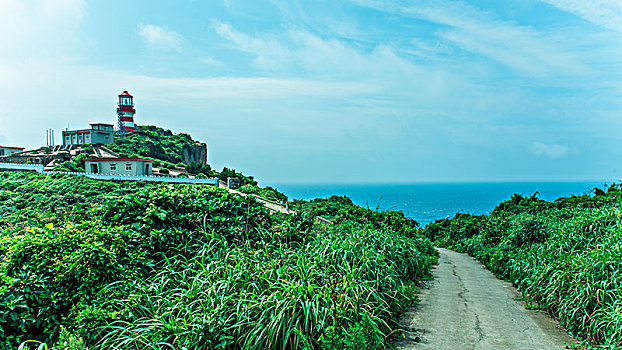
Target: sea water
[{"x": 428, "y": 202}]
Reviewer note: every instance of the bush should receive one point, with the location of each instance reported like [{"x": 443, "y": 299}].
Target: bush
[
  {"x": 532, "y": 231},
  {"x": 198, "y": 168},
  {"x": 362, "y": 335},
  {"x": 48, "y": 271},
  {"x": 245, "y": 180},
  {"x": 267, "y": 192},
  {"x": 341, "y": 209},
  {"x": 68, "y": 341},
  {"x": 75, "y": 165}
]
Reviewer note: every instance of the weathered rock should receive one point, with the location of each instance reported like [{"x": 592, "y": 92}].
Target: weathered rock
[{"x": 196, "y": 153}]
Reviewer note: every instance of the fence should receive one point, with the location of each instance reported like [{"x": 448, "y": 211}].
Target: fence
[
  {"x": 16, "y": 166},
  {"x": 110, "y": 177}
]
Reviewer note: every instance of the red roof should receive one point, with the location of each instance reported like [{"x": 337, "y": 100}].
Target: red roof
[
  {"x": 12, "y": 147},
  {"x": 125, "y": 93},
  {"x": 116, "y": 159}
]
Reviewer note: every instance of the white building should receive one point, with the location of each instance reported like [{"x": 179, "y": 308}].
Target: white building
[
  {"x": 8, "y": 151},
  {"x": 98, "y": 133},
  {"x": 119, "y": 166}
]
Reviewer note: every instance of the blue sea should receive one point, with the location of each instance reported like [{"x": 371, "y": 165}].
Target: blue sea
[{"x": 428, "y": 202}]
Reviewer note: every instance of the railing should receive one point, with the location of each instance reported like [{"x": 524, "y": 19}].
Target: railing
[
  {"x": 151, "y": 178},
  {"x": 16, "y": 166},
  {"x": 110, "y": 177}
]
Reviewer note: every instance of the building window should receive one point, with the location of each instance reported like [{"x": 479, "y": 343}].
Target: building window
[
  {"x": 128, "y": 166},
  {"x": 1, "y": 152},
  {"x": 113, "y": 166}
]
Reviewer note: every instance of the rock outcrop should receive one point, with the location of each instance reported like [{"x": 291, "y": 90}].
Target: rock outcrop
[{"x": 196, "y": 153}]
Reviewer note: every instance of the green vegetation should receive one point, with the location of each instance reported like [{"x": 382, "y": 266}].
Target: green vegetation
[
  {"x": 167, "y": 149},
  {"x": 244, "y": 179},
  {"x": 565, "y": 256},
  {"x": 74, "y": 165},
  {"x": 198, "y": 168},
  {"x": 153, "y": 142},
  {"x": 27, "y": 195},
  {"x": 341, "y": 209},
  {"x": 110, "y": 265},
  {"x": 266, "y": 192}
]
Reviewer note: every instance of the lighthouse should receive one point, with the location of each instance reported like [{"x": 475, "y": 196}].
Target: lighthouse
[{"x": 125, "y": 112}]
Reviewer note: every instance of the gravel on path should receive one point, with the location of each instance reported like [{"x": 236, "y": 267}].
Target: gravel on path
[{"x": 467, "y": 307}]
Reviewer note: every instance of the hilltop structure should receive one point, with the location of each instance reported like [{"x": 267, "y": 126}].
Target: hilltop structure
[
  {"x": 125, "y": 113},
  {"x": 109, "y": 153},
  {"x": 119, "y": 166},
  {"x": 9, "y": 151},
  {"x": 99, "y": 133}
]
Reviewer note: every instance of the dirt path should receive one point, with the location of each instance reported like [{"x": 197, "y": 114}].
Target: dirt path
[{"x": 466, "y": 307}]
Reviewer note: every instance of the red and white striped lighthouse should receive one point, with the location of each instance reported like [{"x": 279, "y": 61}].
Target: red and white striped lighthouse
[{"x": 126, "y": 111}]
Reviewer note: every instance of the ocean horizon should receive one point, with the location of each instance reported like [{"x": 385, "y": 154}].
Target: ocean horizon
[{"x": 426, "y": 202}]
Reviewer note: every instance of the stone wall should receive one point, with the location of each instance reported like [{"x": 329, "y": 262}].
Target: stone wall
[{"x": 34, "y": 159}]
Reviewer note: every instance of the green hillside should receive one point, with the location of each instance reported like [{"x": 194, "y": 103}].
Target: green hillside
[
  {"x": 107, "y": 265},
  {"x": 153, "y": 142}
]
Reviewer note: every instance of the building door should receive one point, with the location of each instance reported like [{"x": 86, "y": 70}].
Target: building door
[
  {"x": 94, "y": 169},
  {"x": 147, "y": 169}
]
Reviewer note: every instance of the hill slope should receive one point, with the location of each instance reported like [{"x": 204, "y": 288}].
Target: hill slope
[
  {"x": 135, "y": 266},
  {"x": 156, "y": 143}
]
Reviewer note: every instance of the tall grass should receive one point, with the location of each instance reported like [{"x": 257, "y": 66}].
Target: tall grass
[{"x": 271, "y": 295}]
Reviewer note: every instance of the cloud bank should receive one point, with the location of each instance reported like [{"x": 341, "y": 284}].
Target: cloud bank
[
  {"x": 159, "y": 37},
  {"x": 553, "y": 150}
]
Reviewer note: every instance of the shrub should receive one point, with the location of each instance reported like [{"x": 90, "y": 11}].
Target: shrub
[
  {"x": 198, "y": 168},
  {"x": 532, "y": 231},
  {"x": 244, "y": 179},
  {"x": 48, "y": 271}
]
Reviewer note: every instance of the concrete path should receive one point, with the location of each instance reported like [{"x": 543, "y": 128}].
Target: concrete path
[{"x": 466, "y": 307}]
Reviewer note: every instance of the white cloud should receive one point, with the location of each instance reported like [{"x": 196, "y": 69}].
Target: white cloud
[
  {"x": 403, "y": 85},
  {"x": 304, "y": 52},
  {"x": 158, "y": 37},
  {"x": 521, "y": 48},
  {"x": 212, "y": 62},
  {"x": 605, "y": 13},
  {"x": 44, "y": 27},
  {"x": 553, "y": 150}
]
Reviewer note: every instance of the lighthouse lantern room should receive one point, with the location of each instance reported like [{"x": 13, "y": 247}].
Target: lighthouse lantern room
[{"x": 125, "y": 112}]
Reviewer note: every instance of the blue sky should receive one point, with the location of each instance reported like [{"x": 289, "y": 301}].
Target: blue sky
[{"x": 333, "y": 91}]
